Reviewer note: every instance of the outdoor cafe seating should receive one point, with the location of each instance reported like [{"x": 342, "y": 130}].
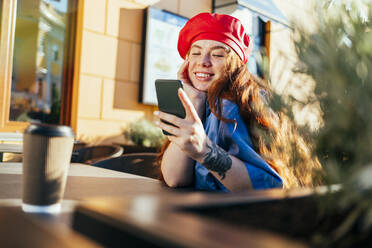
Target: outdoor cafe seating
[
  {"x": 10, "y": 143},
  {"x": 92, "y": 154},
  {"x": 142, "y": 164}
]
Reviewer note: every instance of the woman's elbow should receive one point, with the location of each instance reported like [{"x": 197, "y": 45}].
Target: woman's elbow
[
  {"x": 176, "y": 182},
  {"x": 172, "y": 183}
]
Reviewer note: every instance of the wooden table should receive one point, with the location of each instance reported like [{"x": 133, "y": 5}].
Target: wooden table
[
  {"x": 84, "y": 181},
  {"x": 115, "y": 209}
]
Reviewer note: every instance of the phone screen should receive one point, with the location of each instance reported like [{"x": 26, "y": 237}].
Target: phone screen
[{"x": 168, "y": 100}]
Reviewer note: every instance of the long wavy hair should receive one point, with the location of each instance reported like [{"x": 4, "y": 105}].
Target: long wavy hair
[{"x": 274, "y": 135}]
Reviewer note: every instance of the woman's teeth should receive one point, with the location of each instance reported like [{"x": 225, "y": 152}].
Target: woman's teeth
[{"x": 203, "y": 75}]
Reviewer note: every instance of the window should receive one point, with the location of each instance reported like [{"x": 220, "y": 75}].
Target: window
[
  {"x": 255, "y": 16},
  {"x": 257, "y": 36},
  {"x": 37, "y": 75}
]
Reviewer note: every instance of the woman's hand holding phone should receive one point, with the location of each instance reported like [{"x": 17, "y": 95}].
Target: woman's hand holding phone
[{"x": 187, "y": 133}]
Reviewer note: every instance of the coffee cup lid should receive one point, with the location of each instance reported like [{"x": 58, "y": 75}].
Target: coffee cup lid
[{"x": 49, "y": 130}]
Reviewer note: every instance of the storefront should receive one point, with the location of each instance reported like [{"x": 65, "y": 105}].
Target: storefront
[{"x": 80, "y": 63}]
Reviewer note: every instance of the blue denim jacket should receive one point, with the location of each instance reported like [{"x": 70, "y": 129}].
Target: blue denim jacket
[{"x": 235, "y": 139}]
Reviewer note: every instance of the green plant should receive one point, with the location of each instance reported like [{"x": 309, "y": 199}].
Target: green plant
[
  {"x": 338, "y": 56},
  {"x": 144, "y": 133}
]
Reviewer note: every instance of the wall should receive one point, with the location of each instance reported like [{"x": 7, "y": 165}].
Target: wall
[
  {"x": 108, "y": 77},
  {"x": 110, "y": 55}
]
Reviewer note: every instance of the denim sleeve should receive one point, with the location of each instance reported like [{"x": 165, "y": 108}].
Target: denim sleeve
[{"x": 235, "y": 139}]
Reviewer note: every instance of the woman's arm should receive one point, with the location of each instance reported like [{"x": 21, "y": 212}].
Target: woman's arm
[
  {"x": 189, "y": 136},
  {"x": 229, "y": 170},
  {"x": 178, "y": 168}
]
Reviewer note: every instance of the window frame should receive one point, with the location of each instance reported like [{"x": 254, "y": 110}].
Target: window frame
[
  {"x": 70, "y": 59},
  {"x": 7, "y": 36},
  {"x": 8, "y": 21}
]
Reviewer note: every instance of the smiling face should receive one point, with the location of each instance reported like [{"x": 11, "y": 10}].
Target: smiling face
[{"x": 207, "y": 60}]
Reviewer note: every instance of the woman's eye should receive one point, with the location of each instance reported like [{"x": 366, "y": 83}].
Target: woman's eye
[
  {"x": 218, "y": 55},
  {"x": 195, "y": 53}
]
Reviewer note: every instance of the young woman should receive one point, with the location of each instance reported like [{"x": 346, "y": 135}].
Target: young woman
[{"x": 230, "y": 140}]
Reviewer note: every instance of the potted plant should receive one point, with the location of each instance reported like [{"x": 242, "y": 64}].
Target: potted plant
[{"x": 143, "y": 136}]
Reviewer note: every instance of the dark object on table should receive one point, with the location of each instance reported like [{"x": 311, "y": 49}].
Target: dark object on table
[
  {"x": 35, "y": 232},
  {"x": 179, "y": 221},
  {"x": 93, "y": 154},
  {"x": 263, "y": 218},
  {"x": 142, "y": 164}
]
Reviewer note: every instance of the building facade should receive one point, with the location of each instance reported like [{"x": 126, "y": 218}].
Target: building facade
[{"x": 99, "y": 85}]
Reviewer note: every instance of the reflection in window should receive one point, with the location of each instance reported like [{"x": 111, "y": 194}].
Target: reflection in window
[
  {"x": 38, "y": 60},
  {"x": 255, "y": 27}
]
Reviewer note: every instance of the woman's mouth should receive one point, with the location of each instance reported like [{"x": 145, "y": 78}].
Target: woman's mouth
[{"x": 203, "y": 76}]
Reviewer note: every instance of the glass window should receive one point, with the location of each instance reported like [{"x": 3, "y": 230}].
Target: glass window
[
  {"x": 257, "y": 36},
  {"x": 255, "y": 28},
  {"x": 38, "y": 60}
]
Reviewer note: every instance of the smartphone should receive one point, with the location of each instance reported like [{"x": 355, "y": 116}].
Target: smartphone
[{"x": 168, "y": 100}]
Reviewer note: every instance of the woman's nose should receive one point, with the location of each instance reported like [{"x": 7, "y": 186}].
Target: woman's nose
[{"x": 205, "y": 60}]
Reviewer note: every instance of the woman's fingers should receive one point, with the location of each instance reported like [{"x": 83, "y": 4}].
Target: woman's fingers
[
  {"x": 170, "y": 118},
  {"x": 173, "y": 130},
  {"x": 187, "y": 104},
  {"x": 173, "y": 124},
  {"x": 183, "y": 73},
  {"x": 182, "y": 69}
]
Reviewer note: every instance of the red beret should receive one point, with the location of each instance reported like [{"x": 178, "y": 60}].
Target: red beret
[{"x": 218, "y": 27}]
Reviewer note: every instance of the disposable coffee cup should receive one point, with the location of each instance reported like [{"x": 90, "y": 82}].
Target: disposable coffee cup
[{"x": 46, "y": 158}]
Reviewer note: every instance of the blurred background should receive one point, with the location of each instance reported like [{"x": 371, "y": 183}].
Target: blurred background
[{"x": 90, "y": 64}]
